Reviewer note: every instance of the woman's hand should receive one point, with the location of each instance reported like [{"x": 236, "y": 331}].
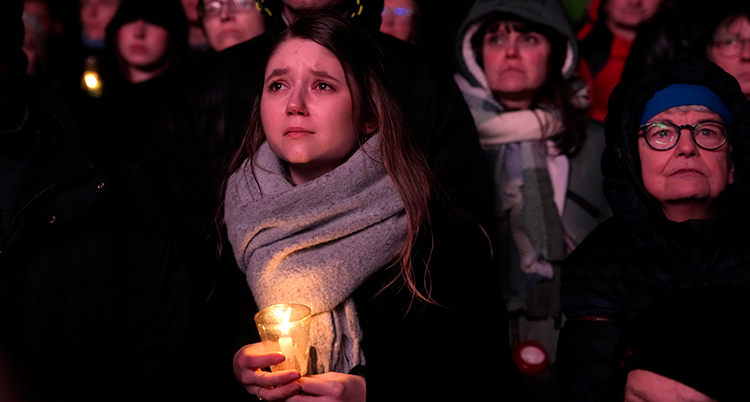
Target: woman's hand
[
  {"x": 248, "y": 364},
  {"x": 331, "y": 387}
]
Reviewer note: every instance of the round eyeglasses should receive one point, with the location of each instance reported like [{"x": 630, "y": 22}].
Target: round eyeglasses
[
  {"x": 213, "y": 8},
  {"x": 729, "y": 46},
  {"x": 664, "y": 135}
]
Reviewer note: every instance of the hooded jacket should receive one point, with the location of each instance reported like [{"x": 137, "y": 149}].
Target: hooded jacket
[
  {"x": 543, "y": 12},
  {"x": 584, "y": 205},
  {"x": 639, "y": 256}
]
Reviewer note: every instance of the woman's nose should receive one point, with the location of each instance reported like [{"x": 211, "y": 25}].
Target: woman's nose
[
  {"x": 686, "y": 144},
  {"x": 296, "y": 103}
]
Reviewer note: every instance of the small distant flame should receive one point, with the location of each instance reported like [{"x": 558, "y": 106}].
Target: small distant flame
[{"x": 92, "y": 80}]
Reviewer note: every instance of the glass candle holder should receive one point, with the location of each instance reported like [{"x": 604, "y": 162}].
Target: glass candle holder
[{"x": 285, "y": 328}]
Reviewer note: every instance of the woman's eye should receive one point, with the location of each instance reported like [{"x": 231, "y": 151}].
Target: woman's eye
[
  {"x": 323, "y": 86},
  {"x": 496, "y": 40},
  {"x": 275, "y": 86},
  {"x": 530, "y": 39}
]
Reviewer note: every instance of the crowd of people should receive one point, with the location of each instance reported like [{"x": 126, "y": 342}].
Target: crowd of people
[{"x": 511, "y": 200}]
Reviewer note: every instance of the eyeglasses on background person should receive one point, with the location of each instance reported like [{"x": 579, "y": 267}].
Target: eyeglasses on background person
[
  {"x": 664, "y": 135},
  {"x": 729, "y": 46},
  {"x": 398, "y": 11},
  {"x": 213, "y": 8}
]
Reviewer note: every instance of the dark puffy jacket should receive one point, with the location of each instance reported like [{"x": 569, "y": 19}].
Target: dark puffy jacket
[
  {"x": 638, "y": 256},
  {"x": 92, "y": 295}
]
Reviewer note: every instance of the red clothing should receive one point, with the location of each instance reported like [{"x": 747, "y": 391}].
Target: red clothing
[{"x": 603, "y": 83}]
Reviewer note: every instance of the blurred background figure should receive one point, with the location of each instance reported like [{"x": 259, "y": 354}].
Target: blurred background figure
[
  {"x": 95, "y": 16},
  {"x": 401, "y": 19},
  {"x": 34, "y": 45},
  {"x": 516, "y": 61},
  {"x": 146, "y": 71},
  {"x": 86, "y": 271},
  {"x": 49, "y": 22},
  {"x": 229, "y": 22},
  {"x": 606, "y": 44},
  {"x": 689, "y": 29},
  {"x": 196, "y": 35},
  {"x": 729, "y": 47}
]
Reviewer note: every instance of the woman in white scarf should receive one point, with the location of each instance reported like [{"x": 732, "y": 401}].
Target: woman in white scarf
[{"x": 327, "y": 192}]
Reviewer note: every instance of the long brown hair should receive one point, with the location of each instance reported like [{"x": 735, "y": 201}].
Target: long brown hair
[{"x": 373, "y": 104}]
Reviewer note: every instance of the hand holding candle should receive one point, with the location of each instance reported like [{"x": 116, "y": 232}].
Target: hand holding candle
[{"x": 284, "y": 328}]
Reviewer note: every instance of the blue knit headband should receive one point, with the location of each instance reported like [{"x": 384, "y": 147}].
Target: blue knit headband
[{"x": 685, "y": 94}]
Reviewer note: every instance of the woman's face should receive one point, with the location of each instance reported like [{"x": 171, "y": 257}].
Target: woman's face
[
  {"x": 95, "y": 15},
  {"x": 515, "y": 64},
  {"x": 235, "y": 22},
  {"x": 143, "y": 45},
  {"x": 307, "y": 109},
  {"x": 686, "y": 174},
  {"x": 730, "y": 50}
]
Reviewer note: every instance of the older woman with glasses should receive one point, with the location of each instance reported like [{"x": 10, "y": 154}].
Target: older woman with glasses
[
  {"x": 229, "y": 22},
  {"x": 676, "y": 179}
]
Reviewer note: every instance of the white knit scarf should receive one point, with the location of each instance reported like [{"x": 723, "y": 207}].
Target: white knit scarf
[{"x": 315, "y": 243}]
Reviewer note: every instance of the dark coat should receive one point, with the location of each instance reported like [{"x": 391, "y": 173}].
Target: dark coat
[
  {"x": 457, "y": 350},
  {"x": 638, "y": 256},
  {"x": 92, "y": 295}
]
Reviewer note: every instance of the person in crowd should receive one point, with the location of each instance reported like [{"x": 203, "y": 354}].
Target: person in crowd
[
  {"x": 689, "y": 346},
  {"x": 94, "y": 16},
  {"x": 196, "y": 35},
  {"x": 727, "y": 47},
  {"x": 50, "y": 23},
  {"x": 34, "y": 45},
  {"x": 401, "y": 19},
  {"x": 606, "y": 45},
  {"x": 230, "y": 22},
  {"x": 687, "y": 29},
  {"x": 88, "y": 281},
  {"x": 360, "y": 234},
  {"x": 432, "y": 103},
  {"x": 433, "y": 107},
  {"x": 676, "y": 180},
  {"x": 517, "y": 60},
  {"x": 146, "y": 70}
]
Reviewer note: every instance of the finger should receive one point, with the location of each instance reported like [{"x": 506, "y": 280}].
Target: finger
[
  {"x": 317, "y": 386},
  {"x": 267, "y": 379},
  {"x": 277, "y": 393},
  {"x": 252, "y": 357}
]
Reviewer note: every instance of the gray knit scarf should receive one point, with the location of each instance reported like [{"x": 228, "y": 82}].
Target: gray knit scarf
[{"x": 315, "y": 243}]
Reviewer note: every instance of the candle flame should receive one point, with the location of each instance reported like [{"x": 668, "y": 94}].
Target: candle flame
[
  {"x": 92, "y": 80},
  {"x": 285, "y": 321}
]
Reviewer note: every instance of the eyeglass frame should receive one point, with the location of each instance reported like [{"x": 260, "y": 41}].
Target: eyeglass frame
[
  {"x": 716, "y": 42},
  {"x": 407, "y": 12},
  {"x": 225, "y": 3},
  {"x": 691, "y": 127}
]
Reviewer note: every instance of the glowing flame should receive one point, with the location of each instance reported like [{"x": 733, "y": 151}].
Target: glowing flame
[
  {"x": 92, "y": 80},
  {"x": 284, "y": 327}
]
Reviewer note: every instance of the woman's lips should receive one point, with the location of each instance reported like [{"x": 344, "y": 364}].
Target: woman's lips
[{"x": 296, "y": 132}]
